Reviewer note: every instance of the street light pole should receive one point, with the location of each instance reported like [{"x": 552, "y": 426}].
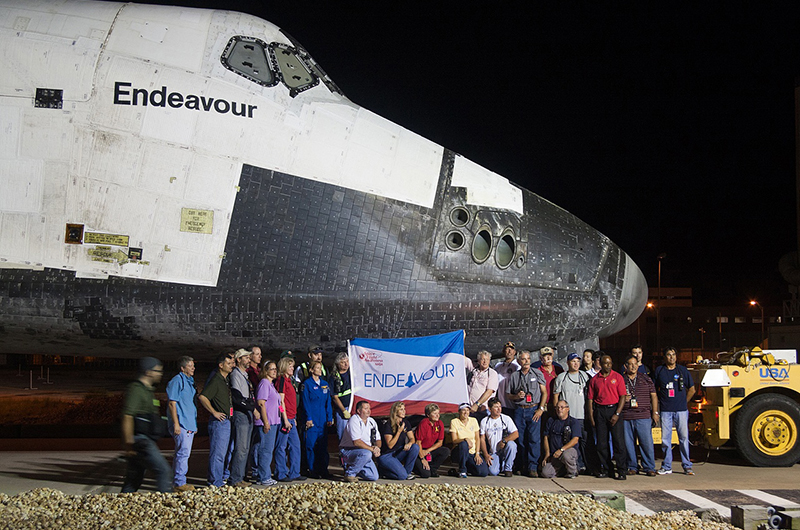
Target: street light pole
[
  {"x": 658, "y": 306},
  {"x": 755, "y": 303},
  {"x": 702, "y": 340}
]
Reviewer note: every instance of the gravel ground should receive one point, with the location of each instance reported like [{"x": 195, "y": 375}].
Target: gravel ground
[{"x": 332, "y": 505}]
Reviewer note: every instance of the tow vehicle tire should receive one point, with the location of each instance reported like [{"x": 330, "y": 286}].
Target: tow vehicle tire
[{"x": 766, "y": 431}]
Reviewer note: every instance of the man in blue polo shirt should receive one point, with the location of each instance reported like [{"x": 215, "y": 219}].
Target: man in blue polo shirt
[
  {"x": 183, "y": 420},
  {"x": 675, "y": 387}
]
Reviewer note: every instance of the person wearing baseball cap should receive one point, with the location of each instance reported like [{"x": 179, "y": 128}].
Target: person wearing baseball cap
[
  {"x": 466, "y": 436},
  {"x": 302, "y": 372},
  {"x": 571, "y": 387},
  {"x": 504, "y": 369}
]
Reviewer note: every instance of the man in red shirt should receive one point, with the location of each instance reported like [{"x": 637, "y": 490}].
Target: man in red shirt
[
  {"x": 606, "y": 400},
  {"x": 550, "y": 371}
]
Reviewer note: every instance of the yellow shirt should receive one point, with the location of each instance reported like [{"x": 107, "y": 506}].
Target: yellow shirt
[{"x": 459, "y": 431}]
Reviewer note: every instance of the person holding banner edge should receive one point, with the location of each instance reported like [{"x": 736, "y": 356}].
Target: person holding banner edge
[
  {"x": 482, "y": 383},
  {"x": 360, "y": 443},
  {"x": 341, "y": 392}
]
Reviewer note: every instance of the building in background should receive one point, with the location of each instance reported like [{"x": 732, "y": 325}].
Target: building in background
[{"x": 700, "y": 330}]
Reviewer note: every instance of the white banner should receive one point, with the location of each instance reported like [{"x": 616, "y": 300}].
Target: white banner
[{"x": 416, "y": 371}]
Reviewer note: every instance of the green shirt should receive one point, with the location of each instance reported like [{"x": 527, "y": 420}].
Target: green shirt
[
  {"x": 139, "y": 400},
  {"x": 219, "y": 394}
]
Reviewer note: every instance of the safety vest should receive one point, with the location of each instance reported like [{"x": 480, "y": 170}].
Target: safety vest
[
  {"x": 338, "y": 377},
  {"x": 307, "y": 374}
]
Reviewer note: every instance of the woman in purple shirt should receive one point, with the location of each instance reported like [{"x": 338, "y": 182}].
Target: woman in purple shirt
[{"x": 267, "y": 400}]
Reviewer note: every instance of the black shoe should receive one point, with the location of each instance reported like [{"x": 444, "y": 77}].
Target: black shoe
[
  {"x": 434, "y": 474},
  {"x": 620, "y": 476},
  {"x": 300, "y": 478},
  {"x": 602, "y": 474},
  {"x": 452, "y": 472},
  {"x": 284, "y": 479}
]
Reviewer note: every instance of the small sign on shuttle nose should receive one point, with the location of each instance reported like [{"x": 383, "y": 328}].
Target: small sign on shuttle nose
[{"x": 197, "y": 221}]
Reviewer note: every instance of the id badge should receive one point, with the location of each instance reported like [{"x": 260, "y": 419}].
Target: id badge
[
  {"x": 528, "y": 398},
  {"x": 671, "y": 392},
  {"x": 634, "y": 403}
]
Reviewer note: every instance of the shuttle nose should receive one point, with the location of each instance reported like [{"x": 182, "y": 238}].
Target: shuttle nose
[{"x": 633, "y": 299}]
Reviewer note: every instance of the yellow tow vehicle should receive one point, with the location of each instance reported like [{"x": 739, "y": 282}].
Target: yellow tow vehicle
[{"x": 752, "y": 399}]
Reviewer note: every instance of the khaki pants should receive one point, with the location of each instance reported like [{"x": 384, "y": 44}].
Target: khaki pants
[{"x": 568, "y": 460}]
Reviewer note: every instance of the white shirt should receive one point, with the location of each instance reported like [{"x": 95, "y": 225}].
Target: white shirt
[
  {"x": 357, "y": 430},
  {"x": 495, "y": 429},
  {"x": 482, "y": 380}
]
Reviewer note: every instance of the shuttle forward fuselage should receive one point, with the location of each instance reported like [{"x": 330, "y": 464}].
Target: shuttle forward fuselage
[{"x": 183, "y": 180}]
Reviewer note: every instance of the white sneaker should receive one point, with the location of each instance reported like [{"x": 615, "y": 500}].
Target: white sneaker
[{"x": 663, "y": 471}]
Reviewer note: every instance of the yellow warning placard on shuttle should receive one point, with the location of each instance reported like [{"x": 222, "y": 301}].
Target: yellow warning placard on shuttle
[
  {"x": 107, "y": 255},
  {"x": 197, "y": 221},
  {"x": 95, "y": 238}
]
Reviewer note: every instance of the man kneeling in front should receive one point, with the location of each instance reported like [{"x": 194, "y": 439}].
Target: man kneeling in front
[
  {"x": 360, "y": 443},
  {"x": 498, "y": 433},
  {"x": 562, "y": 434}
]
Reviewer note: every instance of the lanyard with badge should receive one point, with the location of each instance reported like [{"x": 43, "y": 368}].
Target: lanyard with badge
[{"x": 630, "y": 386}]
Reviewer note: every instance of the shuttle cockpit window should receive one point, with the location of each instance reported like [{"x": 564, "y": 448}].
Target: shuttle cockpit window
[
  {"x": 316, "y": 69},
  {"x": 294, "y": 69},
  {"x": 247, "y": 56}
]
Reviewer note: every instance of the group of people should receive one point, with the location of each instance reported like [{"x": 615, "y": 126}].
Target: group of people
[
  {"x": 588, "y": 418},
  {"x": 536, "y": 418},
  {"x": 256, "y": 414}
]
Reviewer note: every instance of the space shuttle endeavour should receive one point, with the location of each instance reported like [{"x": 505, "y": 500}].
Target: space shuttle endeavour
[{"x": 178, "y": 180}]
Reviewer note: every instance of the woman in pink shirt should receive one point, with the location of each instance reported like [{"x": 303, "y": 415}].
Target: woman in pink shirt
[{"x": 268, "y": 402}]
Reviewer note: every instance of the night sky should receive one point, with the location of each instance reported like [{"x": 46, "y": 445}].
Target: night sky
[{"x": 670, "y": 130}]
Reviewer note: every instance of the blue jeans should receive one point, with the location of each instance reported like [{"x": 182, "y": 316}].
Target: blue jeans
[
  {"x": 288, "y": 444},
  {"x": 529, "y": 435},
  {"x": 242, "y": 433},
  {"x": 640, "y": 430},
  {"x": 266, "y": 448},
  {"x": 219, "y": 435},
  {"x": 180, "y": 460},
  {"x": 466, "y": 462},
  {"x": 503, "y": 460},
  {"x": 317, "y": 450},
  {"x": 681, "y": 422},
  {"x": 147, "y": 457},
  {"x": 358, "y": 463},
  {"x": 398, "y": 466}
]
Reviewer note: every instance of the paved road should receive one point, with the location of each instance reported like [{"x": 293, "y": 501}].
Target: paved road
[{"x": 719, "y": 484}]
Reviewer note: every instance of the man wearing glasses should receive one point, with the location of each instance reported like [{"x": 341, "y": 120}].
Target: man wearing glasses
[{"x": 142, "y": 426}]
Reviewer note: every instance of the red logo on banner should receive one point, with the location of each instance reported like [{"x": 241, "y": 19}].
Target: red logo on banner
[{"x": 371, "y": 357}]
